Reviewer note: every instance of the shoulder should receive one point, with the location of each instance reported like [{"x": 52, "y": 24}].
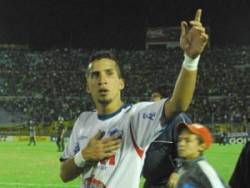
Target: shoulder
[
  {"x": 206, "y": 167},
  {"x": 210, "y": 174},
  {"x": 85, "y": 116},
  {"x": 194, "y": 177},
  {"x": 140, "y": 105},
  {"x": 146, "y": 104}
]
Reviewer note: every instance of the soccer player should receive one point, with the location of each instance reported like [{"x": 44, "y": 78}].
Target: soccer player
[
  {"x": 60, "y": 132},
  {"x": 194, "y": 171},
  {"x": 32, "y": 133},
  {"x": 106, "y": 146}
]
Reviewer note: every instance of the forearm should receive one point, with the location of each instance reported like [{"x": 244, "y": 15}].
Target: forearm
[
  {"x": 193, "y": 41},
  {"x": 69, "y": 170},
  {"x": 183, "y": 91}
]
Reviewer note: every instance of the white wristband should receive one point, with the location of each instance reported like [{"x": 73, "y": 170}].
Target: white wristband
[
  {"x": 190, "y": 64},
  {"x": 79, "y": 160}
]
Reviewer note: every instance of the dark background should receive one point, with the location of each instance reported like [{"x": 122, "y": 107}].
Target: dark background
[{"x": 115, "y": 24}]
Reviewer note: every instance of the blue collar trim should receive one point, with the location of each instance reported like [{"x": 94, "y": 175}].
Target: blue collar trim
[{"x": 107, "y": 116}]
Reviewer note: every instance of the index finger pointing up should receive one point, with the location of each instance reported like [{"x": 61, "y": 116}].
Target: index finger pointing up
[{"x": 198, "y": 15}]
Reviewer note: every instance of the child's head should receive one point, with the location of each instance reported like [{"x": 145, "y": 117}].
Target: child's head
[
  {"x": 193, "y": 140},
  {"x": 156, "y": 96}
]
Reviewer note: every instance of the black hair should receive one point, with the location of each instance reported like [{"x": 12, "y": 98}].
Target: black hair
[
  {"x": 109, "y": 54},
  {"x": 103, "y": 54}
]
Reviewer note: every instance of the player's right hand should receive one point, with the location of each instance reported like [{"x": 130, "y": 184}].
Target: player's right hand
[{"x": 100, "y": 148}]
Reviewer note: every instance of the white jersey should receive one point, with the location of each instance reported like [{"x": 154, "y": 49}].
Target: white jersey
[{"x": 138, "y": 124}]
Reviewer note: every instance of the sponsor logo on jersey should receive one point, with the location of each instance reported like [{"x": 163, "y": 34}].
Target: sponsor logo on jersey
[
  {"x": 150, "y": 115},
  {"x": 110, "y": 161},
  {"x": 91, "y": 182}
]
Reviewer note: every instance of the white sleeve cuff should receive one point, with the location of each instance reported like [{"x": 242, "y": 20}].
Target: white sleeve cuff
[{"x": 79, "y": 160}]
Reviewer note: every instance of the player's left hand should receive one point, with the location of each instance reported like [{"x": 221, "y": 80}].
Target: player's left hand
[{"x": 193, "y": 40}]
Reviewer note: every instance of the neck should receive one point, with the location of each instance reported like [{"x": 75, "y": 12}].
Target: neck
[{"x": 108, "y": 108}]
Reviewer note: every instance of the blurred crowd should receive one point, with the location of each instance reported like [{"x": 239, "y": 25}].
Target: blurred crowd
[{"x": 46, "y": 84}]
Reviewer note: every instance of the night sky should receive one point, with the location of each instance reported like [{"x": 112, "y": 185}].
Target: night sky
[{"x": 115, "y": 24}]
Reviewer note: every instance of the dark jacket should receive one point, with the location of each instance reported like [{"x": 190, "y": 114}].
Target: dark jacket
[
  {"x": 161, "y": 155},
  {"x": 241, "y": 175},
  {"x": 198, "y": 173}
]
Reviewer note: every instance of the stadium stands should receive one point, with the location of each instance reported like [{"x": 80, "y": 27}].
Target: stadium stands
[{"x": 45, "y": 84}]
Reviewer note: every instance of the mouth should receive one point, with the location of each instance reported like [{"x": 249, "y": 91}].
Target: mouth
[
  {"x": 180, "y": 150},
  {"x": 103, "y": 92}
]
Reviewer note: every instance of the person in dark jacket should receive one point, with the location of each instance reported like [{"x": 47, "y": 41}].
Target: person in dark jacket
[
  {"x": 161, "y": 154},
  {"x": 241, "y": 174},
  {"x": 193, "y": 169}
]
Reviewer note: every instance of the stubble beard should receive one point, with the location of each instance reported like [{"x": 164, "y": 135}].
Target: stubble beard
[{"x": 104, "y": 102}]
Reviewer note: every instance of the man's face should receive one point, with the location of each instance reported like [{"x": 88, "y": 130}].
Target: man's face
[
  {"x": 103, "y": 82},
  {"x": 189, "y": 146}
]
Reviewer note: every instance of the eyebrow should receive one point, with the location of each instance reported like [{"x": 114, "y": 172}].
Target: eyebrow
[
  {"x": 105, "y": 70},
  {"x": 109, "y": 70}
]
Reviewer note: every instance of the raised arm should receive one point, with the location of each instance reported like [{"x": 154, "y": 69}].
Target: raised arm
[{"x": 193, "y": 40}]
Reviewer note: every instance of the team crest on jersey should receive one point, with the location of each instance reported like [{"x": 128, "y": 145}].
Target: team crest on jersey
[
  {"x": 114, "y": 132},
  {"x": 76, "y": 148},
  {"x": 150, "y": 115}
]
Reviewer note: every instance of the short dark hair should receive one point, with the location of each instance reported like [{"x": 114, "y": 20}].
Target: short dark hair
[
  {"x": 161, "y": 90},
  {"x": 105, "y": 54}
]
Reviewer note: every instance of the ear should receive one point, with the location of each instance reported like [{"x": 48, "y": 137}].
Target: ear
[
  {"x": 202, "y": 147},
  {"x": 86, "y": 87},
  {"x": 122, "y": 83}
]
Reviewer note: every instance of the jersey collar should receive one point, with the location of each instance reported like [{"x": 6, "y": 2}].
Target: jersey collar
[{"x": 107, "y": 116}]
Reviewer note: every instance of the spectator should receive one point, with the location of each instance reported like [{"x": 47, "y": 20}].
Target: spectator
[
  {"x": 160, "y": 160},
  {"x": 193, "y": 169},
  {"x": 241, "y": 173}
]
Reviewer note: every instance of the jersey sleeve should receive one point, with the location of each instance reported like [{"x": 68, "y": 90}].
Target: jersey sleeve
[
  {"x": 147, "y": 122},
  {"x": 72, "y": 146}
]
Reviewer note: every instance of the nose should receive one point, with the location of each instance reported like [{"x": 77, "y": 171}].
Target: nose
[
  {"x": 102, "y": 79},
  {"x": 181, "y": 143}
]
